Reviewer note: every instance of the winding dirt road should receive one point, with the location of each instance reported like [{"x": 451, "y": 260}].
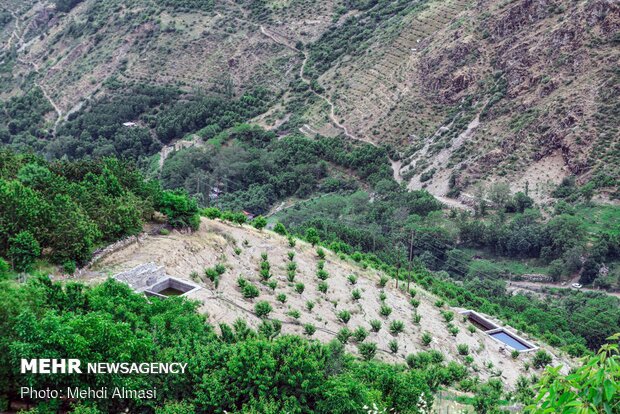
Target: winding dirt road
[{"x": 451, "y": 203}]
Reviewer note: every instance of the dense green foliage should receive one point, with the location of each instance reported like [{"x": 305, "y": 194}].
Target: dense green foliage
[
  {"x": 241, "y": 371},
  {"x": 22, "y": 122},
  {"x": 592, "y": 388},
  {"x": 252, "y": 169},
  {"x": 97, "y": 128},
  {"x": 67, "y": 209}
]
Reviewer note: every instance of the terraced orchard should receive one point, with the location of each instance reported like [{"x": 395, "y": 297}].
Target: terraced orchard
[{"x": 251, "y": 274}]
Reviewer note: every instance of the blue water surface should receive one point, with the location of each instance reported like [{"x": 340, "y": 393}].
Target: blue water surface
[{"x": 510, "y": 341}]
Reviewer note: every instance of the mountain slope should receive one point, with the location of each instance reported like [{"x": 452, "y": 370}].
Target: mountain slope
[
  {"x": 466, "y": 91},
  {"x": 186, "y": 256}
]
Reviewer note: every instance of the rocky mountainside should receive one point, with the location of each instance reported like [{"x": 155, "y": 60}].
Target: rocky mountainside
[{"x": 462, "y": 91}]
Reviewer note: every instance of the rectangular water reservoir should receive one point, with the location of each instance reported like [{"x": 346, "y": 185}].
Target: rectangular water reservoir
[
  {"x": 510, "y": 340},
  {"x": 171, "y": 286}
]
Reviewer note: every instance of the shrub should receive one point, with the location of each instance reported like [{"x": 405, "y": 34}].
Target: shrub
[
  {"x": 220, "y": 269},
  {"x": 352, "y": 279},
  {"x": 264, "y": 274},
  {"x": 385, "y": 310},
  {"x": 309, "y": 329},
  {"x": 448, "y": 316},
  {"x": 515, "y": 354},
  {"x": 212, "y": 212},
  {"x": 412, "y": 293},
  {"x": 291, "y": 256},
  {"x": 310, "y": 305},
  {"x": 294, "y": 313},
  {"x": 281, "y": 297},
  {"x": 264, "y": 257},
  {"x": 357, "y": 257},
  {"x": 262, "y": 309},
  {"x": 272, "y": 284},
  {"x": 290, "y": 275},
  {"x": 343, "y": 335},
  {"x": 453, "y": 330},
  {"x": 471, "y": 329},
  {"x": 344, "y": 316},
  {"x": 322, "y": 287},
  {"x": 213, "y": 276},
  {"x": 463, "y": 349},
  {"x": 356, "y": 294},
  {"x": 291, "y": 266},
  {"x": 397, "y": 327},
  {"x": 541, "y": 359},
  {"x": 280, "y": 229},
  {"x": 415, "y": 303},
  {"x": 367, "y": 350},
  {"x": 320, "y": 264},
  {"x": 321, "y": 253},
  {"x": 423, "y": 359},
  {"x": 360, "y": 334},
  {"x": 375, "y": 325},
  {"x": 164, "y": 231},
  {"x": 322, "y": 274},
  {"x": 237, "y": 251},
  {"x": 383, "y": 281},
  {"x": 393, "y": 346},
  {"x": 312, "y": 236},
  {"x": 291, "y": 241},
  {"x": 259, "y": 222},
  {"x": 427, "y": 338},
  {"x": 417, "y": 318},
  {"x": 382, "y": 296},
  {"x": 439, "y": 303},
  {"x": 299, "y": 288},
  {"x": 249, "y": 291}
]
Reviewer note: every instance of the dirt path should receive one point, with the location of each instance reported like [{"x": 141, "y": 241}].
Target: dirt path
[
  {"x": 327, "y": 100},
  {"x": 20, "y": 40},
  {"x": 538, "y": 286},
  {"x": 56, "y": 108}
]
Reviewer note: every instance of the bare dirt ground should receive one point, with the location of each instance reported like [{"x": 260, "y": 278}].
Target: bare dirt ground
[{"x": 215, "y": 242}]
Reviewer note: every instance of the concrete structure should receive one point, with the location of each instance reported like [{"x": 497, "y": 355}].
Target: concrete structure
[
  {"x": 499, "y": 333},
  {"x": 152, "y": 280}
]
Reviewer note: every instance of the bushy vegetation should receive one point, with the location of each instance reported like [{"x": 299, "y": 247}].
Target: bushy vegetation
[
  {"x": 43, "y": 319},
  {"x": 66, "y": 209},
  {"x": 97, "y": 130},
  {"x": 253, "y": 170}
]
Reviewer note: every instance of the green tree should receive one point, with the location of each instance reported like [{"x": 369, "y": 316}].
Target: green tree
[
  {"x": 312, "y": 236},
  {"x": 181, "y": 210},
  {"x": 259, "y": 222},
  {"x": 592, "y": 388},
  {"x": 564, "y": 232},
  {"x": 23, "y": 250},
  {"x": 280, "y": 229}
]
